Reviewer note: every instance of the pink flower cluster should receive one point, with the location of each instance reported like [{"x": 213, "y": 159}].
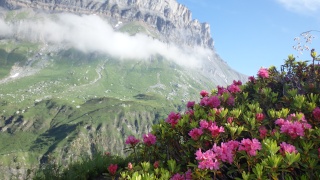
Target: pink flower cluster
[
  {"x": 226, "y": 150},
  {"x": 233, "y": 88},
  {"x": 149, "y": 139},
  {"x": 190, "y": 104},
  {"x": 250, "y": 146},
  {"x": 263, "y": 73},
  {"x": 112, "y": 169},
  {"x": 316, "y": 113},
  {"x": 204, "y": 93},
  {"x": 260, "y": 117},
  {"x": 292, "y": 126},
  {"x": 230, "y": 101},
  {"x": 287, "y": 148},
  {"x": 207, "y": 160},
  {"x": 263, "y": 132},
  {"x": 132, "y": 140},
  {"x": 156, "y": 165},
  {"x": 212, "y": 158},
  {"x": 212, "y": 101},
  {"x": 238, "y": 83},
  {"x": 252, "y": 79},
  {"x": 216, "y": 100},
  {"x": 173, "y": 118},
  {"x": 186, "y": 176},
  {"x": 195, "y": 133},
  {"x": 206, "y": 126},
  {"x": 222, "y": 90},
  {"x": 212, "y": 127}
]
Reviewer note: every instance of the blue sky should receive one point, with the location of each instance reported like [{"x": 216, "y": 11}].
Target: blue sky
[{"x": 250, "y": 34}]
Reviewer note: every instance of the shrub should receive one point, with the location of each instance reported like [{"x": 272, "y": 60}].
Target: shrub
[{"x": 267, "y": 128}]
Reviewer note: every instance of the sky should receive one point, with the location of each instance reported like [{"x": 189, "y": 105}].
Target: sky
[{"x": 250, "y": 34}]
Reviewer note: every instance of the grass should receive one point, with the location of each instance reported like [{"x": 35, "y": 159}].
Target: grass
[
  {"x": 84, "y": 103},
  {"x": 16, "y": 15},
  {"x": 133, "y": 28}
]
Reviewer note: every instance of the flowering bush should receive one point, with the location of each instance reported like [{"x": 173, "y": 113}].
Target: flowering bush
[{"x": 267, "y": 128}]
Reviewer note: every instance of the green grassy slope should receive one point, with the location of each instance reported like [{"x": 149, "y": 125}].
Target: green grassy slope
[{"x": 75, "y": 103}]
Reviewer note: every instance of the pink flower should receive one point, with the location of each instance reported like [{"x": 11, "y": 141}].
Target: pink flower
[
  {"x": 287, "y": 148},
  {"x": 252, "y": 79},
  {"x": 259, "y": 117},
  {"x": 177, "y": 177},
  {"x": 279, "y": 122},
  {"x": 250, "y": 146},
  {"x": 233, "y": 144},
  {"x": 293, "y": 129},
  {"x": 213, "y": 102},
  {"x": 238, "y": 83},
  {"x": 230, "y": 120},
  {"x": 204, "y": 93},
  {"x": 173, "y": 118},
  {"x": 149, "y": 139},
  {"x": 204, "y": 101},
  {"x": 132, "y": 140},
  {"x": 204, "y": 124},
  {"x": 263, "y": 73},
  {"x": 190, "y": 112},
  {"x": 195, "y": 133},
  {"x": 112, "y": 169},
  {"x": 156, "y": 165},
  {"x": 226, "y": 151},
  {"x": 230, "y": 101},
  {"x": 234, "y": 88},
  {"x": 190, "y": 104},
  {"x": 263, "y": 132},
  {"x": 293, "y": 126},
  {"x": 208, "y": 160},
  {"x": 188, "y": 175},
  {"x": 222, "y": 90},
  {"x": 215, "y": 130},
  {"x": 316, "y": 113}
]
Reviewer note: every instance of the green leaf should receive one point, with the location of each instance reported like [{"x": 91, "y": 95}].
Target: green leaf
[
  {"x": 270, "y": 146},
  {"x": 258, "y": 170},
  {"x": 292, "y": 158}
]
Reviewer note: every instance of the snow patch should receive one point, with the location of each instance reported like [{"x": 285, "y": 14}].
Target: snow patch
[{"x": 15, "y": 75}]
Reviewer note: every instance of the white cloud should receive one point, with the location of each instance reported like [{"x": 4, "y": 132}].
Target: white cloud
[
  {"x": 301, "y": 6},
  {"x": 5, "y": 29},
  {"x": 90, "y": 33}
]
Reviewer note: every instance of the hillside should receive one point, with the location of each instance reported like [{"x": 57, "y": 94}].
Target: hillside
[{"x": 62, "y": 100}]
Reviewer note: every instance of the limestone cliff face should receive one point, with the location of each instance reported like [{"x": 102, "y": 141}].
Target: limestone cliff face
[{"x": 172, "y": 20}]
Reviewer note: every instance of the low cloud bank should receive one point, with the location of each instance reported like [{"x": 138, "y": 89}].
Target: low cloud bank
[{"x": 90, "y": 33}]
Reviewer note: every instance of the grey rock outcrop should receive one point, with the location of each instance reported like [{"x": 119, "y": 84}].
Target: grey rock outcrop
[{"x": 172, "y": 20}]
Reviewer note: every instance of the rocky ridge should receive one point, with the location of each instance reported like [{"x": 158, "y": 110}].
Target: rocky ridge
[{"x": 172, "y": 20}]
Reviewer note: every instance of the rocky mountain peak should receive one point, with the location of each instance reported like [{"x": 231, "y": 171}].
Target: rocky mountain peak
[{"x": 172, "y": 20}]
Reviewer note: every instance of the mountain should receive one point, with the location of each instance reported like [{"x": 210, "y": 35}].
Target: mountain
[
  {"x": 171, "y": 19},
  {"x": 77, "y": 77}
]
